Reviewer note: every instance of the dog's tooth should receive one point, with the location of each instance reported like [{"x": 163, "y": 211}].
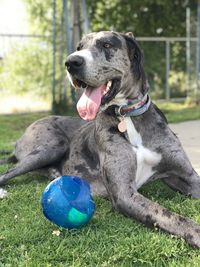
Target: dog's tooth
[{"x": 109, "y": 84}]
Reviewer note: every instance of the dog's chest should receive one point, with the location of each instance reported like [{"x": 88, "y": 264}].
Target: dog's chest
[{"x": 146, "y": 159}]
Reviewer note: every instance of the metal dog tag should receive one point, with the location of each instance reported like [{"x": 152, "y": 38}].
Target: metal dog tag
[{"x": 122, "y": 126}]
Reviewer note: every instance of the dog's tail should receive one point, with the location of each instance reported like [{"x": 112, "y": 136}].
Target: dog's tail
[{"x": 11, "y": 159}]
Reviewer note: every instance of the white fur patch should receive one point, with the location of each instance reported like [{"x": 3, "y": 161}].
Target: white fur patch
[
  {"x": 70, "y": 78},
  {"x": 86, "y": 54},
  {"x": 146, "y": 159},
  {"x": 3, "y": 193}
]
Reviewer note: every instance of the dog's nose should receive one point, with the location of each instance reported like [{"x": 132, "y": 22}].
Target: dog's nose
[{"x": 74, "y": 62}]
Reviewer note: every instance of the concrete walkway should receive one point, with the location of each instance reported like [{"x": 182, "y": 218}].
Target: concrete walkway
[{"x": 189, "y": 135}]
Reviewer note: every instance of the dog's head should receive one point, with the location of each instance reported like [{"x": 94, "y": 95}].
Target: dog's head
[{"x": 108, "y": 66}]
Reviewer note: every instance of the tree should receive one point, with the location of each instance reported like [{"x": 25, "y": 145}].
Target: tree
[
  {"x": 143, "y": 18},
  {"x": 148, "y": 18}
]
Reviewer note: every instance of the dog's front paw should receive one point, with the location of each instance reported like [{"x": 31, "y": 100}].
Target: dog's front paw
[{"x": 3, "y": 193}]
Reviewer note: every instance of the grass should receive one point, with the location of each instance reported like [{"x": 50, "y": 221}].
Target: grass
[
  {"x": 110, "y": 239},
  {"x": 178, "y": 112}
]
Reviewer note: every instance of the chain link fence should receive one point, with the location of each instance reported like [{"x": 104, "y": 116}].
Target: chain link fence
[
  {"x": 26, "y": 67},
  {"x": 170, "y": 65}
]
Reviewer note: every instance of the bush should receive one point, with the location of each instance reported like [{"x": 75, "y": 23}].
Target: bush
[{"x": 27, "y": 68}]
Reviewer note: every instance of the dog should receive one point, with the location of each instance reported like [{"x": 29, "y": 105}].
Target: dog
[{"x": 122, "y": 142}]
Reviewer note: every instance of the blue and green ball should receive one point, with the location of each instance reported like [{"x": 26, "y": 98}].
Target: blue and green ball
[{"x": 67, "y": 202}]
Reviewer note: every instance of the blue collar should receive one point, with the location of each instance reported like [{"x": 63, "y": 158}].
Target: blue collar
[{"x": 136, "y": 108}]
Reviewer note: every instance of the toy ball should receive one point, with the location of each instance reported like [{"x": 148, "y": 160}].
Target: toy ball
[{"x": 67, "y": 202}]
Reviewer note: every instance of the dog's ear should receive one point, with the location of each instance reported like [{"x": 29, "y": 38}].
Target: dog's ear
[
  {"x": 136, "y": 59},
  {"x": 135, "y": 55},
  {"x": 130, "y": 34}
]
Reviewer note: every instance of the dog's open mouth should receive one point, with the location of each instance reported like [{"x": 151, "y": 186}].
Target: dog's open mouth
[{"x": 90, "y": 101}]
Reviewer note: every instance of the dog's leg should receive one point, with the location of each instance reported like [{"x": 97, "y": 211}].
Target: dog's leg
[
  {"x": 51, "y": 173},
  {"x": 152, "y": 214},
  {"x": 33, "y": 161},
  {"x": 21, "y": 168},
  {"x": 189, "y": 185},
  {"x": 119, "y": 181},
  {"x": 98, "y": 189}
]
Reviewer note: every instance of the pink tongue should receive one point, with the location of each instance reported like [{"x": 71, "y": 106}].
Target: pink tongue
[{"x": 89, "y": 103}]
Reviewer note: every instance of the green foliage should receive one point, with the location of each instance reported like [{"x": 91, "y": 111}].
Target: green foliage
[
  {"x": 29, "y": 68},
  {"x": 149, "y": 18},
  {"x": 26, "y": 69},
  {"x": 177, "y": 81},
  {"x": 40, "y": 15},
  {"x": 40, "y": 18},
  {"x": 141, "y": 17}
]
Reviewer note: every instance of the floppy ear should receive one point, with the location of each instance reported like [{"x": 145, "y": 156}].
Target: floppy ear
[
  {"x": 136, "y": 59},
  {"x": 130, "y": 34}
]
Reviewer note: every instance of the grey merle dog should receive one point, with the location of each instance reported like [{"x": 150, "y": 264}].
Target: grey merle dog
[{"x": 122, "y": 142}]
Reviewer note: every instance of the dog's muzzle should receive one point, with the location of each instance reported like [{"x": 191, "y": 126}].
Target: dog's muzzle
[{"x": 94, "y": 95}]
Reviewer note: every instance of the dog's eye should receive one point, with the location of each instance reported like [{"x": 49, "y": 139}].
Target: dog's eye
[{"x": 107, "y": 45}]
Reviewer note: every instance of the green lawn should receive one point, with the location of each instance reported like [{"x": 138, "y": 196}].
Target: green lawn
[
  {"x": 178, "y": 112},
  {"x": 110, "y": 239}
]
